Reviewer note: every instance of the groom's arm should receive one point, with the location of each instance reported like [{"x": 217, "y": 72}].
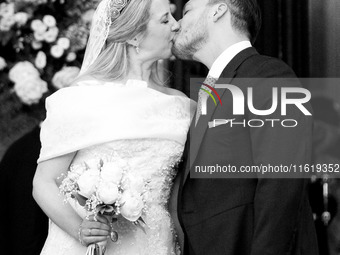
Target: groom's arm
[
  {"x": 5, "y": 229},
  {"x": 173, "y": 206},
  {"x": 278, "y": 202}
]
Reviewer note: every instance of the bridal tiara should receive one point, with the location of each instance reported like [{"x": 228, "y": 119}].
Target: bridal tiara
[
  {"x": 106, "y": 13},
  {"x": 115, "y": 7}
]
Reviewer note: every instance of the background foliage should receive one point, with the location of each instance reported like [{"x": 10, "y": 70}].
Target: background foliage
[{"x": 42, "y": 45}]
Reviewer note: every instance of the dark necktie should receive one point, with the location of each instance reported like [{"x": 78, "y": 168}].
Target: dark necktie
[{"x": 202, "y": 95}]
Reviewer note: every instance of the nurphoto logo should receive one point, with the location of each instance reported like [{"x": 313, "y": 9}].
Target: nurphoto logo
[{"x": 280, "y": 97}]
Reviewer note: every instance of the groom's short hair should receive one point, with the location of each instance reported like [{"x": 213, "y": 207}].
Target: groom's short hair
[{"x": 245, "y": 16}]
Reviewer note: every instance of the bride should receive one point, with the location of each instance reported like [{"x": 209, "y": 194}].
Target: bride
[{"x": 119, "y": 110}]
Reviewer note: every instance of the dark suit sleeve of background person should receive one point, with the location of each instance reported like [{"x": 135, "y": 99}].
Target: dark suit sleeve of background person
[
  {"x": 23, "y": 224},
  {"x": 282, "y": 216}
]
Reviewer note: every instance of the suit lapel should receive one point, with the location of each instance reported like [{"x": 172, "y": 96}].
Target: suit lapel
[{"x": 197, "y": 133}]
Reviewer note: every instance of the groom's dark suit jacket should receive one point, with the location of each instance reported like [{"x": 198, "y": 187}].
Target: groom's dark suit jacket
[
  {"x": 24, "y": 226},
  {"x": 250, "y": 216}
]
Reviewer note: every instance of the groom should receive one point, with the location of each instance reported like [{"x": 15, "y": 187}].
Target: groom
[{"x": 248, "y": 216}]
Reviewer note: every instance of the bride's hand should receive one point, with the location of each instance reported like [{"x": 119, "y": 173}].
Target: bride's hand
[{"x": 91, "y": 231}]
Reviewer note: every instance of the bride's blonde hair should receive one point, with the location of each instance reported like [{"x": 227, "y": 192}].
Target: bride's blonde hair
[{"x": 113, "y": 63}]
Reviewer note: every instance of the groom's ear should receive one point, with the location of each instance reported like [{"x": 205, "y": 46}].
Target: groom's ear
[{"x": 219, "y": 11}]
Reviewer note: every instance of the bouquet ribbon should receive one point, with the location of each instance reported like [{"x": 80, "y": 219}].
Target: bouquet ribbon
[{"x": 97, "y": 248}]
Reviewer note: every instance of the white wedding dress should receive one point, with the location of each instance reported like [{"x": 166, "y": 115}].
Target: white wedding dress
[{"x": 143, "y": 127}]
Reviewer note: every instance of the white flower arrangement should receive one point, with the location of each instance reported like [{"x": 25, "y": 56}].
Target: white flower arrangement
[
  {"x": 3, "y": 63},
  {"x": 49, "y": 21},
  {"x": 51, "y": 35},
  {"x": 100, "y": 189},
  {"x": 31, "y": 90},
  {"x": 24, "y": 70},
  {"x": 48, "y": 34},
  {"x": 28, "y": 85},
  {"x": 6, "y": 23},
  {"x": 7, "y": 18},
  {"x": 40, "y": 60},
  {"x": 36, "y": 45},
  {"x": 21, "y": 18},
  {"x": 57, "y": 51},
  {"x": 87, "y": 16},
  {"x": 71, "y": 56},
  {"x": 38, "y": 26},
  {"x": 65, "y": 76},
  {"x": 64, "y": 42},
  {"x": 6, "y": 9}
]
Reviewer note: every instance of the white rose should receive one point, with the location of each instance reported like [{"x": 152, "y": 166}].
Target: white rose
[
  {"x": 107, "y": 192},
  {"x": 71, "y": 56},
  {"x": 21, "y": 18},
  {"x": 3, "y": 63},
  {"x": 6, "y": 9},
  {"x": 23, "y": 71},
  {"x": 112, "y": 172},
  {"x": 87, "y": 182},
  {"x": 131, "y": 182},
  {"x": 38, "y": 26},
  {"x": 39, "y": 36},
  {"x": 64, "y": 42},
  {"x": 50, "y": 36},
  {"x": 35, "y": 24},
  {"x": 36, "y": 45},
  {"x": 57, "y": 51},
  {"x": 87, "y": 16},
  {"x": 54, "y": 31},
  {"x": 49, "y": 20},
  {"x": 41, "y": 29},
  {"x": 78, "y": 169},
  {"x": 31, "y": 90},
  {"x": 40, "y": 60},
  {"x": 6, "y": 23},
  {"x": 65, "y": 77},
  {"x": 132, "y": 206}
]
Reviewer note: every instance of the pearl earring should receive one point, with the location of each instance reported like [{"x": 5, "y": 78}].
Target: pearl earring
[{"x": 137, "y": 49}]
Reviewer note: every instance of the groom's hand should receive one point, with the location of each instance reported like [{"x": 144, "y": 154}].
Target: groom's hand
[{"x": 94, "y": 230}]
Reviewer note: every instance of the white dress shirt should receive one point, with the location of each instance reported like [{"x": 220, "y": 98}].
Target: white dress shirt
[{"x": 226, "y": 56}]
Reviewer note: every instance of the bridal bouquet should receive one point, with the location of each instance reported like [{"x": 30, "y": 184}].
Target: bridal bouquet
[{"x": 102, "y": 188}]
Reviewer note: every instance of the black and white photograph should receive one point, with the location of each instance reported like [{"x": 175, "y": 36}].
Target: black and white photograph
[{"x": 170, "y": 127}]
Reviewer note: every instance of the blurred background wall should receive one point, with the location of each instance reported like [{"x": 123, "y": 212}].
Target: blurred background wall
[
  {"x": 324, "y": 44},
  {"x": 324, "y": 33}
]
